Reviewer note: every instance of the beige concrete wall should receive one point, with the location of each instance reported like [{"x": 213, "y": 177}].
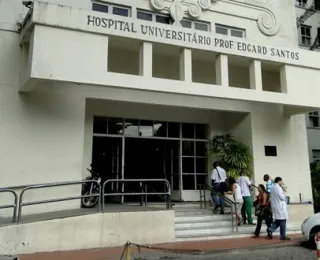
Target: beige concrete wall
[
  {"x": 298, "y": 213},
  {"x": 90, "y": 231}
]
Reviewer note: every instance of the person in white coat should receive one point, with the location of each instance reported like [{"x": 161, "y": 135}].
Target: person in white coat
[{"x": 279, "y": 210}]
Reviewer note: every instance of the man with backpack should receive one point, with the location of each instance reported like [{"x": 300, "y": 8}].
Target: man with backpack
[{"x": 219, "y": 186}]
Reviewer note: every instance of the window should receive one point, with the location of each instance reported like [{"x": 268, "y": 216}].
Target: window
[
  {"x": 302, "y": 3},
  {"x": 197, "y": 25},
  {"x": 158, "y": 18},
  {"x": 305, "y": 32},
  {"x": 314, "y": 119},
  {"x": 230, "y": 31},
  {"x": 270, "y": 150},
  {"x": 316, "y": 156},
  {"x": 111, "y": 9}
]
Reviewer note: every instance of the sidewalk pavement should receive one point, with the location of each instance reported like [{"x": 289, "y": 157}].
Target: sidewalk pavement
[{"x": 207, "y": 246}]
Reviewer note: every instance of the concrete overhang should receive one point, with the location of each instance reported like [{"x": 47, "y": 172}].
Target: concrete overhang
[{"x": 57, "y": 46}]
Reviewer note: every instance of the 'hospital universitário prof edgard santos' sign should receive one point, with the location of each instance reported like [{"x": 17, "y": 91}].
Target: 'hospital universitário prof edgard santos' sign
[{"x": 192, "y": 37}]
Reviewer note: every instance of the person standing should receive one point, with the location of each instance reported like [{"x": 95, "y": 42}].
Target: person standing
[
  {"x": 219, "y": 186},
  {"x": 269, "y": 182},
  {"x": 263, "y": 211},
  {"x": 236, "y": 192},
  {"x": 245, "y": 185},
  {"x": 279, "y": 210}
]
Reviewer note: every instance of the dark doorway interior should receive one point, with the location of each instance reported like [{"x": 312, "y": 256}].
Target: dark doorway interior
[
  {"x": 107, "y": 161},
  {"x": 150, "y": 159}
]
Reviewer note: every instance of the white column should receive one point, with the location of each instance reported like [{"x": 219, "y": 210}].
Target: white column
[
  {"x": 145, "y": 62},
  {"x": 186, "y": 65},
  {"x": 222, "y": 70},
  {"x": 255, "y": 75},
  {"x": 283, "y": 79}
]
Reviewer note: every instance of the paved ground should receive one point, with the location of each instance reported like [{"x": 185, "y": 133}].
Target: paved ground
[
  {"x": 188, "y": 250},
  {"x": 279, "y": 253}
]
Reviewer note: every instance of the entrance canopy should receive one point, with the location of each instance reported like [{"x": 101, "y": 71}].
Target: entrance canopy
[{"x": 65, "y": 44}]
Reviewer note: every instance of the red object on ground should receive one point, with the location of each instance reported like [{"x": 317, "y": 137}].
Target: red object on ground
[
  {"x": 115, "y": 252},
  {"x": 317, "y": 240}
]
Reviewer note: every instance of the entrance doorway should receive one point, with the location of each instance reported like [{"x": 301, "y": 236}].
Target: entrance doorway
[
  {"x": 148, "y": 149},
  {"x": 151, "y": 159}
]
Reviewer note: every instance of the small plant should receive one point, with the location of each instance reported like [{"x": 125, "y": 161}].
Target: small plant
[{"x": 234, "y": 156}]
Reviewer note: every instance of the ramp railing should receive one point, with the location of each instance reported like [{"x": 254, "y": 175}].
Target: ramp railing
[
  {"x": 14, "y": 205},
  {"x": 143, "y": 193},
  {"x": 55, "y": 184}
]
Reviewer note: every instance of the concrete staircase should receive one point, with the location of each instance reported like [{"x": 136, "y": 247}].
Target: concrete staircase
[{"x": 198, "y": 224}]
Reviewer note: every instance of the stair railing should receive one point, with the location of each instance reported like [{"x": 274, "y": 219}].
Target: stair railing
[{"x": 233, "y": 205}]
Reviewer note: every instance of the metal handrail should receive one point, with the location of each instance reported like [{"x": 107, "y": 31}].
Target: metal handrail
[
  {"x": 14, "y": 206},
  {"x": 142, "y": 193},
  {"x": 204, "y": 187},
  {"x": 55, "y": 184}
]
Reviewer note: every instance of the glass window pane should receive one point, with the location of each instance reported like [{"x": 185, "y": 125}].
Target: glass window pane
[
  {"x": 303, "y": 30},
  {"x": 201, "y": 165},
  {"x": 160, "y": 129},
  {"x": 237, "y": 33},
  {"x": 186, "y": 24},
  {"x": 176, "y": 182},
  {"x": 100, "y": 125},
  {"x": 308, "y": 41},
  {"x": 144, "y": 16},
  {"x": 120, "y": 11},
  {"x": 188, "y": 182},
  {"x": 201, "y": 179},
  {"x": 188, "y": 148},
  {"x": 115, "y": 126},
  {"x": 146, "y": 128},
  {"x": 201, "y": 148},
  {"x": 173, "y": 130},
  {"x": 131, "y": 127},
  {"x": 188, "y": 165},
  {"x": 201, "y": 131},
  {"x": 202, "y": 27},
  {"x": 221, "y": 30},
  {"x": 188, "y": 130},
  {"x": 172, "y": 165},
  {"x": 163, "y": 19},
  {"x": 100, "y": 8},
  {"x": 308, "y": 32}
]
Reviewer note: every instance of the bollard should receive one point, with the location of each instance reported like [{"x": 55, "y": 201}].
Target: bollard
[
  {"x": 317, "y": 240},
  {"x": 128, "y": 252}
]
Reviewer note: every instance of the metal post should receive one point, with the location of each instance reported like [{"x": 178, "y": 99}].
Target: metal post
[
  {"x": 141, "y": 187},
  {"x": 235, "y": 208},
  {"x": 103, "y": 195},
  {"x": 232, "y": 218},
  {"x": 204, "y": 196},
  {"x": 100, "y": 192},
  {"x": 146, "y": 196},
  {"x": 200, "y": 192}
]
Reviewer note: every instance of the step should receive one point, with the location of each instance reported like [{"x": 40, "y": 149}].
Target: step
[
  {"x": 203, "y": 218},
  {"x": 201, "y": 225},
  {"x": 179, "y": 213},
  {"x": 207, "y": 232}
]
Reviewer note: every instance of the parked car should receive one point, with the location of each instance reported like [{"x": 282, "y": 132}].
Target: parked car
[{"x": 311, "y": 226}]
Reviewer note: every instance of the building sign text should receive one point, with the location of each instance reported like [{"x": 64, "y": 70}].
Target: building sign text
[{"x": 192, "y": 37}]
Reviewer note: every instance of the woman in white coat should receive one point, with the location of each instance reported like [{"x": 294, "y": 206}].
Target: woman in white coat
[{"x": 279, "y": 210}]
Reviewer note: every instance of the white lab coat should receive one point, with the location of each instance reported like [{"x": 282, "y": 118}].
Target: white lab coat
[{"x": 278, "y": 203}]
